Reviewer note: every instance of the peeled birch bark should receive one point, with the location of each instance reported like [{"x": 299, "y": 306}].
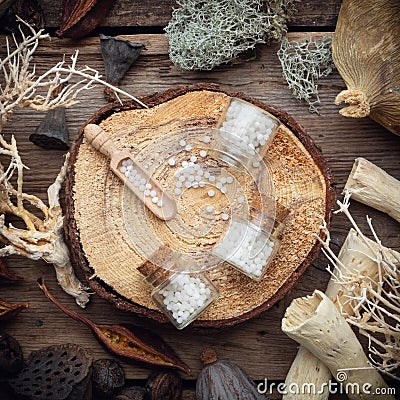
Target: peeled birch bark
[
  {"x": 315, "y": 323},
  {"x": 306, "y": 368},
  {"x": 356, "y": 257},
  {"x": 374, "y": 187}
]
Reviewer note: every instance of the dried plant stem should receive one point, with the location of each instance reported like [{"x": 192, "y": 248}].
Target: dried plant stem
[
  {"x": 48, "y": 243},
  {"x": 42, "y": 236},
  {"x": 372, "y": 186},
  {"x": 22, "y": 88},
  {"x": 316, "y": 323},
  {"x": 306, "y": 368}
]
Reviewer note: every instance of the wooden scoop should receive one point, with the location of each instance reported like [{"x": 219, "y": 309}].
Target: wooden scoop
[{"x": 132, "y": 174}]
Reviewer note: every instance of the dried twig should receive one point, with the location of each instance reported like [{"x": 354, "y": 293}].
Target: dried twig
[
  {"x": 23, "y": 88},
  {"x": 42, "y": 236}
]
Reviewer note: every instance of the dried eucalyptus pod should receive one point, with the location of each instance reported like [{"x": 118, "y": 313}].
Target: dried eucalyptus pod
[
  {"x": 164, "y": 385},
  {"x": 224, "y": 380},
  {"x": 107, "y": 377},
  {"x": 366, "y": 52}
]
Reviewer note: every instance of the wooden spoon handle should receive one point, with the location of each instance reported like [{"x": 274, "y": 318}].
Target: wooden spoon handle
[{"x": 100, "y": 140}]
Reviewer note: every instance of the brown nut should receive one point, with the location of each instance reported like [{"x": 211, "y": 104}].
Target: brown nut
[{"x": 164, "y": 385}]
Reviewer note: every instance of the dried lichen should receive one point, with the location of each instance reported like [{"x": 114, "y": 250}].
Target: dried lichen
[
  {"x": 204, "y": 34},
  {"x": 303, "y": 64}
]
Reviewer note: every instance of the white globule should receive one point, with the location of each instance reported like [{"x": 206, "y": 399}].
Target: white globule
[
  {"x": 246, "y": 247},
  {"x": 185, "y": 297},
  {"x": 248, "y": 123},
  {"x": 140, "y": 182}
]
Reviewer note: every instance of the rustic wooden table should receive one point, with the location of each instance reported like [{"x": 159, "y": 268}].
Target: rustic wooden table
[{"x": 258, "y": 345}]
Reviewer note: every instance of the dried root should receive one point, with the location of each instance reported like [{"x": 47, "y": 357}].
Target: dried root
[
  {"x": 42, "y": 234},
  {"x": 22, "y": 88},
  {"x": 205, "y": 34},
  {"x": 303, "y": 64},
  {"x": 373, "y": 302},
  {"x": 42, "y": 237}
]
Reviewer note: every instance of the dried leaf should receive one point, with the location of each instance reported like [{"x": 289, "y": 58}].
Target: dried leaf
[
  {"x": 6, "y": 276},
  {"x": 131, "y": 343},
  {"x": 82, "y": 16},
  {"x": 9, "y": 310}
]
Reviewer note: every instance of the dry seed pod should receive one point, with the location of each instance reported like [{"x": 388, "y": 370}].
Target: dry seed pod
[
  {"x": 52, "y": 132},
  {"x": 79, "y": 17},
  {"x": 224, "y": 380},
  {"x": 164, "y": 385},
  {"x": 107, "y": 377},
  {"x": 118, "y": 55},
  {"x": 11, "y": 356},
  {"x": 366, "y": 52},
  {"x": 59, "y": 372}
]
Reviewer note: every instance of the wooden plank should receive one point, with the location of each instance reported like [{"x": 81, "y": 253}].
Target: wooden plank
[
  {"x": 257, "y": 345},
  {"x": 153, "y": 13}
]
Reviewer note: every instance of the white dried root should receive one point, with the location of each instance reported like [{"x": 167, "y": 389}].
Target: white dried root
[
  {"x": 316, "y": 323},
  {"x": 371, "y": 185},
  {"x": 372, "y": 304},
  {"x": 23, "y": 88},
  {"x": 42, "y": 238},
  {"x": 356, "y": 258}
]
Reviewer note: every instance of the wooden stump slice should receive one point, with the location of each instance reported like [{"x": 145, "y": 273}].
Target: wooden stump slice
[{"x": 100, "y": 221}]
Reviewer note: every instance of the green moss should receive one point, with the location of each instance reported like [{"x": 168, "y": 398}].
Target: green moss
[
  {"x": 303, "y": 64},
  {"x": 204, "y": 34}
]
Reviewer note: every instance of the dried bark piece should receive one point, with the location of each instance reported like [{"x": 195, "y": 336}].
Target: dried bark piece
[
  {"x": 355, "y": 257},
  {"x": 59, "y": 372},
  {"x": 118, "y": 56},
  {"x": 52, "y": 132},
  {"x": 6, "y": 276},
  {"x": 164, "y": 385},
  {"x": 303, "y": 185},
  {"x": 371, "y": 185},
  {"x": 80, "y": 17},
  {"x": 131, "y": 343},
  {"x": 11, "y": 356},
  {"x": 316, "y": 323},
  {"x": 9, "y": 310},
  {"x": 108, "y": 376}
]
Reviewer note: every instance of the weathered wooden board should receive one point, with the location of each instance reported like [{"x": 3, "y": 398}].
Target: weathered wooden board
[
  {"x": 152, "y": 13},
  {"x": 258, "y": 345}
]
